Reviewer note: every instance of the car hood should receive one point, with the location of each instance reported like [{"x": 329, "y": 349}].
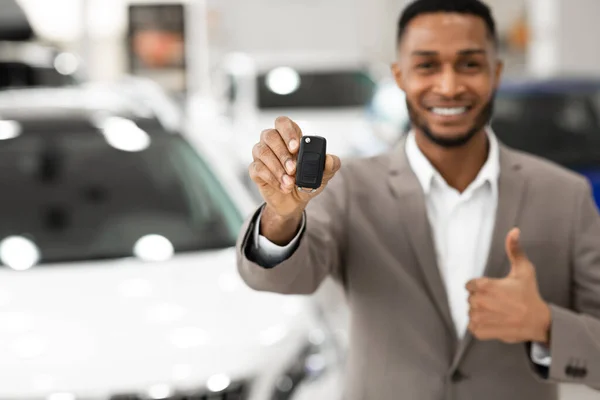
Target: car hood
[{"x": 123, "y": 325}]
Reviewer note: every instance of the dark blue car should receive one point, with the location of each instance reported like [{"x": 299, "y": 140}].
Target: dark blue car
[{"x": 558, "y": 119}]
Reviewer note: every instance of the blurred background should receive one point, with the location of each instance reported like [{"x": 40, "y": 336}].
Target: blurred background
[{"x": 126, "y": 129}]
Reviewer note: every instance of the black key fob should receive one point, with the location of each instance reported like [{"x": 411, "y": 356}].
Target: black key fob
[{"x": 311, "y": 162}]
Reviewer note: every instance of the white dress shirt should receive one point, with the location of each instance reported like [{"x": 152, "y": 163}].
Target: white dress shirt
[{"x": 462, "y": 226}]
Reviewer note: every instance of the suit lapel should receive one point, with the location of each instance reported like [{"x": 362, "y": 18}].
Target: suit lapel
[
  {"x": 414, "y": 220},
  {"x": 511, "y": 192}
]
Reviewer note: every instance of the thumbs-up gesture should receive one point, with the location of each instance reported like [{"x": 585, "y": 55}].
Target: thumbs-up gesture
[{"x": 509, "y": 309}]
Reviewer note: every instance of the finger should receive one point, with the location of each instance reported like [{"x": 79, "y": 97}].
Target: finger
[
  {"x": 513, "y": 247},
  {"x": 482, "y": 332},
  {"x": 487, "y": 303},
  {"x": 262, "y": 152},
  {"x": 332, "y": 165},
  {"x": 290, "y": 132},
  {"x": 481, "y": 320},
  {"x": 475, "y": 303},
  {"x": 263, "y": 176},
  {"x": 478, "y": 285},
  {"x": 493, "y": 332},
  {"x": 274, "y": 140}
]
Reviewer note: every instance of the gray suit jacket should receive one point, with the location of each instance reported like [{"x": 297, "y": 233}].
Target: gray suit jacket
[{"x": 369, "y": 231}]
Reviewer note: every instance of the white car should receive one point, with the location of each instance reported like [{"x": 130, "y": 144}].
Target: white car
[{"x": 118, "y": 271}]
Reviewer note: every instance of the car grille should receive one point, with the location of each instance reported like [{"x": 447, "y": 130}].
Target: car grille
[{"x": 237, "y": 391}]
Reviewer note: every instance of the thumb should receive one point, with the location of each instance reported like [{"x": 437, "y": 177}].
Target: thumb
[
  {"x": 515, "y": 252},
  {"x": 332, "y": 165}
]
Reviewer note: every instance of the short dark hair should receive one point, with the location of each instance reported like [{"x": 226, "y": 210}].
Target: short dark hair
[{"x": 469, "y": 7}]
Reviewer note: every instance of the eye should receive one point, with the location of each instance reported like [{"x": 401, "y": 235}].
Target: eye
[
  {"x": 425, "y": 65},
  {"x": 471, "y": 64}
]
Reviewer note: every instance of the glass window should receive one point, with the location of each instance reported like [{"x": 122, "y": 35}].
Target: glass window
[
  {"x": 78, "y": 198},
  {"x": 561, "y": 126},
  {"x": 18, "y": 75},
  {"x": 319, "y": 89}
]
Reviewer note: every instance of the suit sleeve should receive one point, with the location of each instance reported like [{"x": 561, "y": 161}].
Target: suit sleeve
[
  {"x": 318, "y": 253},
  {"x": 575, "y": 333},
  {"x": 268, "y": 254}
]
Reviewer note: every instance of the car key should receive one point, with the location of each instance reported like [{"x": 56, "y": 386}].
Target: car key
[{"x": 311, "y": 163}]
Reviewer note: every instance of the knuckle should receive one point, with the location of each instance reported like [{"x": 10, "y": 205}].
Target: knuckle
[
  {"x": 271, "y": 179},
  {"x": 256, "y": 149},
  {"x": 263, "y": 134},
  {"x": 266, "y": 135},
  {"x": 263, "y": 151},
  {"x": 271, "y": 135},
  {"x": 258, "y": 167},
  {"x": 282, "y": 121},
  {"x": 254, "y": 169},
  {"x": 265, "y": 174},
  {"x": 283, "y": 155},
  {"x": 472, "y": 301},
  {"x": 473, "y": 328},
  {"x": 475, "y": 302}
]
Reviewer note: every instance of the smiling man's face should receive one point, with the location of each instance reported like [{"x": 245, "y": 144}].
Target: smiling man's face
[{"x": 449, "y": 71}]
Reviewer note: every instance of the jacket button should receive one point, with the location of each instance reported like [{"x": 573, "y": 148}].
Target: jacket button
[
  {"x": 580, "y": 372},
  {"x": 457, "y": 376}
]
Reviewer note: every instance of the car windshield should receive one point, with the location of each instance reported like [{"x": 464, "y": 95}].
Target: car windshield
[
  {"x": 563, "y": 126},
  {"x": 75, "y": 197},
  {"x": 20, "y": 75},
  {"x": 281, "y": 89}
]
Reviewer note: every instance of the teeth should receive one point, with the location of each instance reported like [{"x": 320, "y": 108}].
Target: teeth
[{"x": 449, "y": 111}]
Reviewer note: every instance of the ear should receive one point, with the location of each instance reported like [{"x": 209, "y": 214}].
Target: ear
[
  {"x": 397, "y": 72},
  {"x": 498, "y": 72}
]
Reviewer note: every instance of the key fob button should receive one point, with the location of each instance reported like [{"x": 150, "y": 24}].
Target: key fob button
[{"x": 310, "y": 167}]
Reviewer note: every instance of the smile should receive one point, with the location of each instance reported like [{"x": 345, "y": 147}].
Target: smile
[{"x": 449, "y": 111}]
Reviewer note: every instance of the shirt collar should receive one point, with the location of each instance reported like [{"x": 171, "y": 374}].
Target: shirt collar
[{"x": 426, "y": 173}]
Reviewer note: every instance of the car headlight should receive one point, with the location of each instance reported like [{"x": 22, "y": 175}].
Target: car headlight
[{"x": 316, "y": 357}]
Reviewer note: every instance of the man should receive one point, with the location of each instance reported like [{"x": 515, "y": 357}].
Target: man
[{"x": 472, "y": 271}]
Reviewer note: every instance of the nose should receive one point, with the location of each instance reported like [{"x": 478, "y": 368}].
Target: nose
[{"x": 449, "y": 84}]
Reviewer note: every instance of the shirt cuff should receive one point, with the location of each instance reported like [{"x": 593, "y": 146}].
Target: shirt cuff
[
  {"x": 271, "y": 252},
  {"x": 541, "y": 355}
]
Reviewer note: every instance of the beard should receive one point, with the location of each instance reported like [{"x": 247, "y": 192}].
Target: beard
[{"x": 482, "y": 119}]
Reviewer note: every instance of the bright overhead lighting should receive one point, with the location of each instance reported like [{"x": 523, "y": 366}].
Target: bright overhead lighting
[
  {"x": 19, "y": 253},
  {"x": 124, "y": 134},
  {"x": 9, "y": 129},
  {"x": 66, "y": 64},
  {"x": 218, "y": 383},
  {"x": 159, "y": 392},
  {"x": 283, "y": 80},
  {"x": 153, "y": 248}
]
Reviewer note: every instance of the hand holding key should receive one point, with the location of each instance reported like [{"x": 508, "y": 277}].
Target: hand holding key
[{"x": 274, "y": 170}]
